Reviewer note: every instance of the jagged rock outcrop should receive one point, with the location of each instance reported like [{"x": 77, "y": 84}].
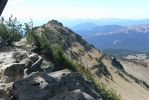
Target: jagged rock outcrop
[
  {"x": 35, "y": 85},
  {"x": 61, "y": 85},
  {"x": 24, "y": 76}
]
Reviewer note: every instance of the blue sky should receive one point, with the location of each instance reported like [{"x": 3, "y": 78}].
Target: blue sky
[{"x": 77, "y": 9}]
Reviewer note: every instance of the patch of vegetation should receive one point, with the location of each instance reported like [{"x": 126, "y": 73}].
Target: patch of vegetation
[
  {"x": 10, "y": 30},
  {"x": 106, "y": 94}
]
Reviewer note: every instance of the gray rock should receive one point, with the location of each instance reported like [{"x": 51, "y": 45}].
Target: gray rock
[
  {"x": 3, "y": 95},
  {"x": 28, "y": 63},
  {"x": 5, "y": 91},
  {"x": 73, "y": 95},
  {"x": 12, "y": 72},
  {"x": 32, "y": 63},
  {"x": 33, "y": 57},
  {"x": 36, "y": 66},
  {"x": 43, "y": 86}
]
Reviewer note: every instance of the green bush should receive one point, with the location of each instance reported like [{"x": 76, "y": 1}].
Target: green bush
[{"x": 10, "y": 30}]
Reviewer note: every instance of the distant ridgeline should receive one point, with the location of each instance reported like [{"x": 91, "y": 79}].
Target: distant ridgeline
[{"x": 131, "y": 37}]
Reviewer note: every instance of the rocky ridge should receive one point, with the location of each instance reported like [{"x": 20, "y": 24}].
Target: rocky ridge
[{"x": 24, "y": 77}]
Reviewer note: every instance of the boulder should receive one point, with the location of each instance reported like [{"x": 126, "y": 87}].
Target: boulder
[
  {"x": 36, "y": 66},
  {"x": 44, "y": 86},
  {"x": 32, "y": 63},
  {"x": 33, "y": 57},
  {"x": 12, "y": 72}
]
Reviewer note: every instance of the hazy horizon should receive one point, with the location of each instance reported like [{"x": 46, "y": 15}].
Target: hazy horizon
[{"x": 78, "y": 9}]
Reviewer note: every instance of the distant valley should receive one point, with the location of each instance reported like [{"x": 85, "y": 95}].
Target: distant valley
[{"x": 129, "y": 37}]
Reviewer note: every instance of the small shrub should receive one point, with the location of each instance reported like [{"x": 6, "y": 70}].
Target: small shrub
[{"x": 10, "y": 30}]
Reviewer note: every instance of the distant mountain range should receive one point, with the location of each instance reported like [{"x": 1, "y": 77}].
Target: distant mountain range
[
  {"x": 130, "y": 37},
  {"x": 76, "y": 23},
  {"x": 105, "y": 21}
]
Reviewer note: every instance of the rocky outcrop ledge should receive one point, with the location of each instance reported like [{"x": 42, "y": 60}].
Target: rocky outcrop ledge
[{"x": 23, "y": 77}]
